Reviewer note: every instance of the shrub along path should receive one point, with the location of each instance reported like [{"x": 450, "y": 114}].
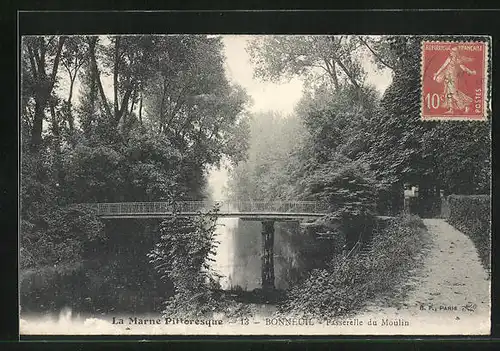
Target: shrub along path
[{"x": 450, "y": 294}]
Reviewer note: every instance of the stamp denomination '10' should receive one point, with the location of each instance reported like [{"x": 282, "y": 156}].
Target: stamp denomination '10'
[{"x": 454, "y": 77}]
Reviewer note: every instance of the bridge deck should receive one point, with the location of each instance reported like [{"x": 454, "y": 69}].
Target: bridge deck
[
  {"x": 243, "y": 215},
  {"x": 244, "y": 210}
]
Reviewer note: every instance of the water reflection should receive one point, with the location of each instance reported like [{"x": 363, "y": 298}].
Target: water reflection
[
  {"x": 238, "y": 257},
  {"x": 224, "y": 258}
]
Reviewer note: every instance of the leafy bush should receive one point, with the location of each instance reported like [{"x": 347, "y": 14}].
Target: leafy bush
[
  {"x": 348, "y": 282},
  {"x": 471, "y": 215},
  {"x": 183, "y": 256},
  {"x": 346, "y": 186},
  {"x": 350, "y": 192},
  {"x": 57, "y": 234}
]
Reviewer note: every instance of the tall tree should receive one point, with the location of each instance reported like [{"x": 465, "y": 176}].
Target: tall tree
[
  {"x": 42, "y": 52},
  {"x": 74, "y": 56},
  {"x": 131, "y": 60},
  {"x": 406, "y": 150},
  {"x": 278, "y": 57},
  {"x": 264, "y": 176},
  {"x": 191, "y": 102}
]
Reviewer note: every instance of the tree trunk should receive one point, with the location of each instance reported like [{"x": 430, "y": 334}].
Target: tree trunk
[
  {"x": 347, "y": 72},
  {"x": 140, "y": 108},
  {"x": 124, "y": 106},
  {"x": 57, "y": 144},
  {"x": 334, "y": 75},
  {"x": 44, "y": 86},
  {"x": 36, "y": 131},
  {"x": 332, "y": 71},
  {"x": 55, "y": 124},
  {"x": 132, "y": 105},
  {"x": 97, "y": 77},
  {"x": 92, "y": 102},
  {"x": 115, "y": 73},
  {"x": 71, "y": 122}
]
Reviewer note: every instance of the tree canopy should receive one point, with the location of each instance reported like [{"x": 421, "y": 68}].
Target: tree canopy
[
  {"x": 121, "y": 118},
  {"x": 344, "y": 124}
]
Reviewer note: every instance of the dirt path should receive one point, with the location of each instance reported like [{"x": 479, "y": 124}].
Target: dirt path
[{"x": 450, "y": 294}]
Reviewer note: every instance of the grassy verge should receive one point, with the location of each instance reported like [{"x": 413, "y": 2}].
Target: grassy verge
[{"x": 347, "y": 284}]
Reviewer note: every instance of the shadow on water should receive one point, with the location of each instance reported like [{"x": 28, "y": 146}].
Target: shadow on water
[
  {"x": 256, "y": 296},
  {"x": 119, "y": 279},
  {"x": 291, "y": 248},
  {"x": 88, "y": 290}
]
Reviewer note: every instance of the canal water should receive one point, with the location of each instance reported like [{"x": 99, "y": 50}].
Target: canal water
[
  {"x": 238, "y": 256},
  {"x": 237, "y": 261}
]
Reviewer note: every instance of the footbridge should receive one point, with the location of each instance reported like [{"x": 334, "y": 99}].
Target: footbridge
[
  {"x": 267, "y": 212},
  {"x": 246, "y": 210}
]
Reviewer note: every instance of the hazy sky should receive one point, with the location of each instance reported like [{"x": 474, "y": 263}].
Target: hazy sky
[
  {"x": 265, "y": 96},
  {"x": 279, "y": 97},
  {"x": 271, "y": 96}
]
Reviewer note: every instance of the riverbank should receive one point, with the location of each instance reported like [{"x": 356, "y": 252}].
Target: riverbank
[
  {"x": 344, "y": 284},
  {"x": 446, "y": 292},
  {"x": 450, "y": 294}
]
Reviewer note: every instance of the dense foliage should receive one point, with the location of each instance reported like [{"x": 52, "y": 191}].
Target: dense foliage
[
  {"x": 472, "y": 216},
  {"x": 345, "y": 126},
  {"x": 183, "y": 256},
  {"x": 453, "y": 157},
  {"x": 346, "y": 283},
  {"x": 125, "y": 142},
  {"x": 356, "y": 146},
  {"x": 118, "y": 118}
]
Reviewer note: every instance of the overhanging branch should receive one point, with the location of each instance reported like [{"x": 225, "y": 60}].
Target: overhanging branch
[{"x": 377, "y": 56}]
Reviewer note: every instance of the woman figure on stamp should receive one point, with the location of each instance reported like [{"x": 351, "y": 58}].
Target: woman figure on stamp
[{"x": 449, "y": 73}]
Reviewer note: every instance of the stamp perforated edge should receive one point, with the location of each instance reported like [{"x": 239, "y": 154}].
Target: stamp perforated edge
[{"x": 486, "y": 80}]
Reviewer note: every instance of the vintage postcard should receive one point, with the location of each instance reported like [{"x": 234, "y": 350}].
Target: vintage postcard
[{"x": 255, "y": 185}]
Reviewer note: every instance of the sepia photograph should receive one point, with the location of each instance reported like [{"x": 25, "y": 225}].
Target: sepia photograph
[{"x": 196, "y": 184}]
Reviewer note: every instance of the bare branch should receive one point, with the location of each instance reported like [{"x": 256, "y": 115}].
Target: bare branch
[
  {"x": 115, "y": 74},
  {"x": 347, "y": 72},
  {"x": 55, "y": 66},
  {"x": 377, "y": 56},
  {"x": 31, "y": 55},
  {"x": 332, "y": 71},
  {"x": 97, "y": 74}
]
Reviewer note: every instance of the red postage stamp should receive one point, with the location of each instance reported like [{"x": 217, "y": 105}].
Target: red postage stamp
[{"x": 454, "y": 80}]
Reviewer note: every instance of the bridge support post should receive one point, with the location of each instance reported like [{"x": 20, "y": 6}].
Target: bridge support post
[{"x": 267, "y": 255}]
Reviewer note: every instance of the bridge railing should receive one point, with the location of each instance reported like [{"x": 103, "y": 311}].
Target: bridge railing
[
  {"x": 147, "y": 207},
  {"x": 280, "y": 206},
  {"x": 123, "y": 208}
]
